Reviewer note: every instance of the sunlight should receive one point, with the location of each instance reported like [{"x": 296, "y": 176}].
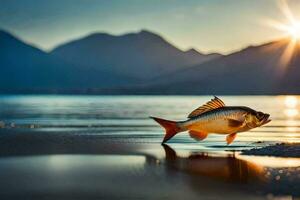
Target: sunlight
[
  {"x": 294, "y": 30},
  {"x": 291, "y": 112},
  {"x": 291, "y": 101},
  {"x": 288, "y": 53},
  {"x": 291, "y": 29}
]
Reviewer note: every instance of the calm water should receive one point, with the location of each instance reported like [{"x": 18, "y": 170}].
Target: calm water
[
  {"x": 127, "y": 116},
  {"x": 91, "y": 165}
]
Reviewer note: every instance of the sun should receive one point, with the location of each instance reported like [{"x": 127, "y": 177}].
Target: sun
[
  {"x": 292, "y": 26},
  {"x": 294, "y": 30},
  {"x": 290, "y": 30}
]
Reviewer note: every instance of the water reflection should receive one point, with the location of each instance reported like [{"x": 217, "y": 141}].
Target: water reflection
[
  {"x": 279, "y": 176},
  {"x": 291, "y": 113},
  {"x": 291, "y": 103},
  {"x": 227, "y": 168}
]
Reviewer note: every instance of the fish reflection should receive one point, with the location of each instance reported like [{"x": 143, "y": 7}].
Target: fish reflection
[{"x": 227, "y": 168}]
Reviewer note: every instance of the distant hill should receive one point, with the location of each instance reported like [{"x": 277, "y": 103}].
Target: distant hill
[
  {"x": 145, "y": 63},
  {"x": 195, "y": 57},
  {"x": 142, "y": 56},
  {"x": 253, "y": 70},
  {"x": 25, "y": 68}
]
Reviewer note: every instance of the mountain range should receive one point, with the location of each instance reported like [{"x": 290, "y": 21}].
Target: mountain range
[
  {"x": 145, "y": 63},
  {"x": 264, "y": 69},
  {"x": 140, "y": 56}
]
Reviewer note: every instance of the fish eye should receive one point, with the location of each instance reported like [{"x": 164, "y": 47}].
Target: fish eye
[{"x": 260, "y": 114}]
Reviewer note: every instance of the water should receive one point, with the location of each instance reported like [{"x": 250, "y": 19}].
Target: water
[
  {"x": 128, "y": 116},
  {"x": 74, "y": 147}
]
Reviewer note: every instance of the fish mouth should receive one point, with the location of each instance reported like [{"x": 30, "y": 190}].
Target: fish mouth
[{"x": 265, "y": 119}]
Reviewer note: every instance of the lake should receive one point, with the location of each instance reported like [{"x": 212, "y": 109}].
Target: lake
[
  {"x": 51, "y": 145},
  {"x": 128, "y": 116}
]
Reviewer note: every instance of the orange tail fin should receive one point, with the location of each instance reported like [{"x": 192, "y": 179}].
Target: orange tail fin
[{"x": 171, "y": 127}]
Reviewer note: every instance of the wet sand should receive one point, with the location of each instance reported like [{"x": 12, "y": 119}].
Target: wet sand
[
  {"x": 40, "y": 165},
  {"x": 280, "y": 150}
]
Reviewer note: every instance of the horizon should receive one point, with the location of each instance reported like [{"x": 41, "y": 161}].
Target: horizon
[{"x": 191, "y": 30}]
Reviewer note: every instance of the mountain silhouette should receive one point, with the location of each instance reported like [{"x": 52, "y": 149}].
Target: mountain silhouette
[
  {"x": 262, "y": 69},
  {"x": 25, "y": 68},
  {"x": 141, "y": 56},
  {"x": 195, "y": 57},
  {"x": 145, "y": 63}
]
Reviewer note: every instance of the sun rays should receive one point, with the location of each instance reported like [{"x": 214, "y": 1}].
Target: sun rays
[
  {"x": 290, "y": 31},
  {"x": 292, "y": 27},
  {"x": 294, "y": 30}
]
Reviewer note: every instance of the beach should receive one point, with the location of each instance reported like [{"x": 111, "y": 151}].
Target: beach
[
  {"x": 77, "y": 167},
  {"x": 93, "y": 147}
]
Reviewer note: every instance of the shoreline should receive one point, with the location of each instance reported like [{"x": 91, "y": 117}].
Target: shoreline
[
  {"x": 195, "y": 171},
  {"x": 276, "y": 150}
]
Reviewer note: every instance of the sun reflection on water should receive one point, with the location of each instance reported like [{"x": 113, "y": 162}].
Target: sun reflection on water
[
  {"x": 291, "y": 112},
  {"x": 291, "y": 103}
]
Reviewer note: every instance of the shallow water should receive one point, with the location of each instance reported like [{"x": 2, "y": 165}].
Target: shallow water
[
  {"x": 87, "y": 123},
  {"x": 129, "y": 116}
]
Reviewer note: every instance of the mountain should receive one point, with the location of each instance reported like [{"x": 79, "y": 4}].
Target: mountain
[
  {"x": 141, "y": 56},
  {"x": 25, "y": 68},
  {"x": 145, "y": 63},
  {"x": 195, "y": 57},
  {"x": 98, "y": 63},
  {"x": 21, "y": 65},
  {"x": 271, "y": 68}
]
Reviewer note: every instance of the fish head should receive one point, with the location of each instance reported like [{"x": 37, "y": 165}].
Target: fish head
[
  {"x": 262, "y": 118},
  {"x": 257, "y": 118}
]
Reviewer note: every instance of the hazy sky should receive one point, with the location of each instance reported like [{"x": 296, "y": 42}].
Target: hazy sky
[{"x": 207, "y": 25}]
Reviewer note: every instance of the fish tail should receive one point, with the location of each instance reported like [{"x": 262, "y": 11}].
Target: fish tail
[{"x": 171, "y": 127}]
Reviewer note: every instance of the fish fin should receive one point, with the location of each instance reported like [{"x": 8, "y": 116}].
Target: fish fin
[
  {"x": 235, "y": 123},
  {"x": 210, "y": 105},
  {"x": 197, "y": 135},
  {"x": 230, "y": 138},
  {"x": 171, "y": 128}
]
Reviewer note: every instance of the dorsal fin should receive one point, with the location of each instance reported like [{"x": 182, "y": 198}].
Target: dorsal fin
[{"x": 210, "y": 105}]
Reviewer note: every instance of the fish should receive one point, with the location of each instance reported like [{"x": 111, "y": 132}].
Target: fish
[{"x": 217, "y": 118}]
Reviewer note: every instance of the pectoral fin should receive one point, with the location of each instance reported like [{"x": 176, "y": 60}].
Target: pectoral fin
[
  {"x": 198, "y": 135},
  {"x": 230, "y": 138}
]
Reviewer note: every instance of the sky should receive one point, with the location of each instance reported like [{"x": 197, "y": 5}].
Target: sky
[{"x": 220, "y": 26}]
